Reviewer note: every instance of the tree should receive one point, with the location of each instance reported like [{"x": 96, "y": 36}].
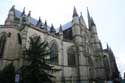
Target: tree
[
  {"x": 37, "y": 69},
  {"x": 7, "y": 75}
]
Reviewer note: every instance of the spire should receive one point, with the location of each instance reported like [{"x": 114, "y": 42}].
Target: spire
[
  {"x": 82, "y": 20},
  {"x": 89, "y": 18},
  {"x": 52, "y": 29},
  {"x": 107, "y": 46},
  {"x": 39, "y": 23},
  {"x": 60, "y": 28},
  {"x": 61, "y": 32},
  {"x": 45, "y": 24},
  {"x": 23, "y": 13},
  {"x": 74, "y": 12},
  {"x": 39, "y": 20},
  {"x": 11, "y": 16},
  {"x": 88, "y": 13},
  {"x": 12, "y": 8},
  {"x": 29, "y": 14},
  {"x": 92, "y": 22}
]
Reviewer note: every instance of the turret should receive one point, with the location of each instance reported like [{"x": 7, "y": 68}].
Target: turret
[
  {"x": 93, "y": 26},
  {"x": 29, "y": 18},
  {"x": 61, "y": 32},
  {"x": 45, "y": 25},
  {"x": 39, "y": 23},
  {"x": 92, "y": 29},
  {"x": 11, "y": 16},
  {"x": 23, "y": 18},
  {"x": 94, "y": 36},
  {"x": 83, "y": 28},
  {"x": 108, "y": 48},
  {"x": 89, "y": 18},
  {"x": 23, "y": 13},
  {"x": 96, "y": 45},
  {"x": 114, "y": 68},
  {"x": 52, "y": 29},
  {"x": 76, "y": 27},
  {"x": 75, "y": 17},
  {"x": 82, "y": 22}
]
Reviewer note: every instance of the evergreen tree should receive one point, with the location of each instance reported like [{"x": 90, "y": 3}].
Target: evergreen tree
[
  {"x": 7, "y": 75},
  {"x": 37, "y": 70}
]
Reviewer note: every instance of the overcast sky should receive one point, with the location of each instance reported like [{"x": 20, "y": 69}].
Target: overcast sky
[{"x": 109, "y": 16}]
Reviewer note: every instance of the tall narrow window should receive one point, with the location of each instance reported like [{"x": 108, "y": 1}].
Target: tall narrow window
[
  {"x": 54, "y": 53},
  {"x": 19, "y": 39},
  {"x": 2, "y": 43},
  {"x": 9, "y": 34},
  {"x": 71, "y": 56}
]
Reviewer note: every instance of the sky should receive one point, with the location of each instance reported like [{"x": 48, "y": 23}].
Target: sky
[{"x": 109, "y": 16}]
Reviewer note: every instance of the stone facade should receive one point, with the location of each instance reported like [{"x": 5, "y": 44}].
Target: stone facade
[{"x": 76, "y": 48}]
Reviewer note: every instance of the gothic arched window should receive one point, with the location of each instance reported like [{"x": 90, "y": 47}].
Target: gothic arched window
[
  {"x": 3, "y": 38},
  {"x": 19, "y": 39},
  {"x": 54, "y": 53},
  {"x": 71, "y": 56}
]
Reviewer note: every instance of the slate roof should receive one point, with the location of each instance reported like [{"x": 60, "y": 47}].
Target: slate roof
[
  {"x": 18, "y": 14},
  {"x": 34, "y": 21},
  {"x": 67, "y": 26}
]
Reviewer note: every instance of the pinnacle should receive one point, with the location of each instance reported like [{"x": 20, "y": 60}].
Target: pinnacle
[
  {"x": 29, "y": 14},
  {"x": 60, "y": 28},
  {"x": 75, "y": 12},
  {"x": 23, "y": 13}
]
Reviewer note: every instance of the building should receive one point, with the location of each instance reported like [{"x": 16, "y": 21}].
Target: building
[
  {"x": 123, "y": 81},
  {"x": 75, "y": 48}
]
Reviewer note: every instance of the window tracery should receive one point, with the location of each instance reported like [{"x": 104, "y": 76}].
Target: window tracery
[
  {"x": 71, "y": 56},
  {"x": 53, "y": 53}
]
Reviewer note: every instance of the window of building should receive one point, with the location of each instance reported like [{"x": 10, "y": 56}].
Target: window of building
[
  {"x": 24, "y": 19},
  {"x": 2, "y": 43},
  {"x": 19, "y": 39},
  {"x": 9, "y": 34},
  {"x": 54, "y": 53},
  {"x": 71, "y": 56}
]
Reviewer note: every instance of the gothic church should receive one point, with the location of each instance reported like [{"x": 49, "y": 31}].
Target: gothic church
[{"x": 75, "y": 48}]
